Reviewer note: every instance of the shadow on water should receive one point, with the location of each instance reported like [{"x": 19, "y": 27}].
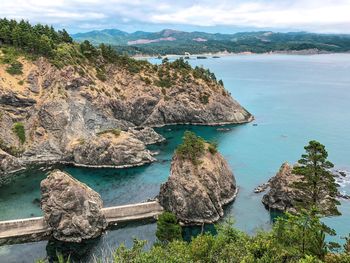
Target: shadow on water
[
  {"x": 190, "y": 232},
  {"x": 75, "y": 252}
]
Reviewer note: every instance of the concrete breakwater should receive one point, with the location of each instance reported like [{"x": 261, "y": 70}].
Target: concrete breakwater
[{"x": 35, "y": 229}]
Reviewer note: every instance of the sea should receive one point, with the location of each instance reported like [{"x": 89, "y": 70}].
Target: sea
[{"x": 294, "y": 98}]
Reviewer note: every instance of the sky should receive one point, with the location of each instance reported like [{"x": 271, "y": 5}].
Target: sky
[{"x": 321, "y": 16}]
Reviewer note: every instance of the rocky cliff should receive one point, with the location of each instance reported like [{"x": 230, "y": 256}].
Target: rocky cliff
[
  {"x": 58, "y": 107},
  {"x": 71, "y": 209},
  {"x": 196, "y": 193}
]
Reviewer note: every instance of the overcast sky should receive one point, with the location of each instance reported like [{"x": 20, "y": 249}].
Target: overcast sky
[{"x": 325, "y": 16}]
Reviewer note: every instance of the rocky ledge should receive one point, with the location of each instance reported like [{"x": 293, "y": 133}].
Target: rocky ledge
[
  {"x": 196, "y": 193},
  {"x": 71, "y": 209}
]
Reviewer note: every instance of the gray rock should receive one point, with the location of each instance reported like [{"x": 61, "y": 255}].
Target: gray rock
[
  {"x": 8, "y": 164},
  {"x": 71, "y": 209},
  {"x": 196, "y": 194},
  {"x": 147, "y": 135},
  {"x": 109, "y": 150},
  {"x": 33, "y": 82},
  {"x": 281, "y": 195}
]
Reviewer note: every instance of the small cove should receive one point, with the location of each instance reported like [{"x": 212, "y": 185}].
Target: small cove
[{"x": 294, "y": 99}]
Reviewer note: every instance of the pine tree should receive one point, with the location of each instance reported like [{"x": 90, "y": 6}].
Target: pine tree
[{"x": 317, "y": 186}]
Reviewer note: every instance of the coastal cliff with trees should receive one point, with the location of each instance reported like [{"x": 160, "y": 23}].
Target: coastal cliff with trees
[{"x": 62, "y": 101}]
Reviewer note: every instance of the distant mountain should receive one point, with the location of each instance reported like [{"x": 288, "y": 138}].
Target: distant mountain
[{"x": 170, "y": 41}]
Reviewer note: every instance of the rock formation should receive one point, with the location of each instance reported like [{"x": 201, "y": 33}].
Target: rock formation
[
  {"x": 282, "y": 195},
  {"x": 71, "y": 208},
  {"x": 8, "y": 164},
  {"x": 196, "y": 194},
  {"x": 147, "y": 135},
  {"x": 111, "y": 150},
  {"x": 58, "y": 107}
]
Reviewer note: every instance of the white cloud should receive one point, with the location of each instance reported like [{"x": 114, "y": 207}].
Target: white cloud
[{"x": 312, "y": 15}]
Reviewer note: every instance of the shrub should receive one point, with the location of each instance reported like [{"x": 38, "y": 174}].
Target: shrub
[
  {"x": 213, "y": 147},
  {"x": 192, "y": 147},
  {"x": 18, "y": 129},
  {"x": 168, "y": 228},
  {"x": 21, "y": 82},
  {"x": 116, "y": 132},
  {"x": 15, "y": 68},
  {"x": 204, "y": 98}
]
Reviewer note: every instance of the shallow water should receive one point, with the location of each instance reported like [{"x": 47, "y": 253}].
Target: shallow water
[{"x": 294, "y": 99}]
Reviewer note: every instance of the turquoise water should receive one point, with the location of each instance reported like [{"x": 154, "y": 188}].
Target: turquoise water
[{"x": 294, "y": 99}]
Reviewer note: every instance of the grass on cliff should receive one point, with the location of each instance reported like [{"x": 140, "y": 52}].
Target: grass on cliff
[{"x": 18, "y": 129}]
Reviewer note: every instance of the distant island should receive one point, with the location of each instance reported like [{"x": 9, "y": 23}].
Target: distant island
[{"x": 175, "y": 42}]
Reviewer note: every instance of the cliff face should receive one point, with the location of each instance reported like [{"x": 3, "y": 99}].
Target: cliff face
[
  {"x": 196, "y": 194},
  {"x": 58, "y": 107},
  {"x": 71, "y": 208}
]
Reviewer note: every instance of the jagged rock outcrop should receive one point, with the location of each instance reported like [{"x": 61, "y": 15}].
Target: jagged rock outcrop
[
  {"x": 57, "y": 107},
  {"x": 71, "y": 209},
  {"x": 8, "y": 164},
  {"x": 196, "y": 194},
  {"x": 147, "y": 135},
  {"x": 282, "y": 195},
  {"x": 110, "y": 150}
]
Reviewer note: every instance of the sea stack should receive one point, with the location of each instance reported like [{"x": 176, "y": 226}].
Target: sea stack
[
  {"x": 197, "y": 192},
  {"x": 284, "y": 196},
  {"x": 71, "y": 209}
]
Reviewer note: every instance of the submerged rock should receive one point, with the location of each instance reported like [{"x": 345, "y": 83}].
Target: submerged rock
[
  {"x": 71, "y": 209},
  {"x": 196, "y": 194}
]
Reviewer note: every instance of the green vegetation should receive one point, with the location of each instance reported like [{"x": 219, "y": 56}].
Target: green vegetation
[
  {"x": 257, "y": 42},
  {"x": 38, "y": 39},
  {"x": 316, "y": 179},
  {"x": 213, "y": 147},
  {"x": 168, "y": 229},
  {"x": 18, "y": 129},
  {"x": 116, "y": 132},
  {"x": 192, "y": 147},
  {"x": 15, "y": 68},
  {"x": 293, "y": 239}
]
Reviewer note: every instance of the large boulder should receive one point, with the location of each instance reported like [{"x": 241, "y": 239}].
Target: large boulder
[
  {"x": 111, "y": 150},
  {"x": 196, "y": 193},
  {"x": 71, "y": 209}
]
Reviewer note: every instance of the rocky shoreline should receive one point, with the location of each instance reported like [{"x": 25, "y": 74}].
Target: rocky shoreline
[{"x": 69, "y": 117}]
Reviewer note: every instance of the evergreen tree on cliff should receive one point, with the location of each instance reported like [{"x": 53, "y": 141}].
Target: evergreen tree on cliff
[{"x": 317, "y": 186}]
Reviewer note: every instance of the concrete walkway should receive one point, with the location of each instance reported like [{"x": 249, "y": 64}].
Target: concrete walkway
[{"x": 36, "y": 227}]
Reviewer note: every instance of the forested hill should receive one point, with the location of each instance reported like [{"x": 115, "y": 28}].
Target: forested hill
[{"x": 178, "y": 42}]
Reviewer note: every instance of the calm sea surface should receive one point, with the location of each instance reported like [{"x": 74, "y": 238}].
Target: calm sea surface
[{"x": 294, "y": 99}]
